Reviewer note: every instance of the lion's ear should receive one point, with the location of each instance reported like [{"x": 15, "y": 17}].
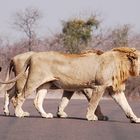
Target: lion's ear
[{"x": 132, "y": 57}]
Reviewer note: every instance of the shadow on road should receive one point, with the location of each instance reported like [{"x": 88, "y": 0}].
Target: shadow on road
[
  {"x": 54, "y": 117},
  {"x": 68, "y": 118}
]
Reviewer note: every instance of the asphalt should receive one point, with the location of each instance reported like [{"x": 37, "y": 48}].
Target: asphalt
[{"x": 75, "y": 127}]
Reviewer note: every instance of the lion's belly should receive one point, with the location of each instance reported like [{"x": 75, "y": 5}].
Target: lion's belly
[{"x": 67, "y": 85}]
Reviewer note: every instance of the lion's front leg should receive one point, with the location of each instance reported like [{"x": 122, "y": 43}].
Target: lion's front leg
[
  {"x": 63, "y": 104},
  {"x": 94, "y": 101},
  {"x": 6, "y": 104},
  {"x": 120, "y": 98}
]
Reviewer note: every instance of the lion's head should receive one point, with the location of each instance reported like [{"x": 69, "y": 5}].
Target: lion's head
[
  {"x": 132, "y": 56},
  {"x": 123, "y": 69}
]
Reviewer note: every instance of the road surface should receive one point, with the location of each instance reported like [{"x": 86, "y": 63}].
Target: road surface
[{"x": 76, "y": 127}]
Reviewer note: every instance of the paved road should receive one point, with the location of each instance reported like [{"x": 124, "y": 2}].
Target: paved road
[{"x": 76, "y": 127}]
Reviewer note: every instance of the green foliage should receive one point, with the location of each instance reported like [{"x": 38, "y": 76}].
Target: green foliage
[{"x": 77, "y": 33}]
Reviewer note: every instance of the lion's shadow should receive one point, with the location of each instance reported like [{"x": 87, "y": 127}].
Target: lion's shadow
[
  {"x": 68, "y": 118},
  {"x": 54, "y": 117}
]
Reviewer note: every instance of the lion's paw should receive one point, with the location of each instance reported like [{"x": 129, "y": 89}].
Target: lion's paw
[
  {"x": 47, "y": 115},
  {"x": 6, "y": 112},
  {"x": 62, "y": 115},
  {"x": 26, "y": 114},
  {"x": 91, "y": 117},
  {"x": 137, "y": 120},
  {"x": 22, "y": 114},
  {"x": 103, "y": 118}
]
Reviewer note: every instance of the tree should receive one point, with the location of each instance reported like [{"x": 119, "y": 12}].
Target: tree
[
  {"x": 26, "y": 21},
  {"x": 77, "y": 33},
  {"x": 120, "y": 36}
]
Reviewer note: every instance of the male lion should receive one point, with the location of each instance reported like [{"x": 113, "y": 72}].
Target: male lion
[
  {"x": 16, "y": 65},
  {"x": 73, "y": 72}
]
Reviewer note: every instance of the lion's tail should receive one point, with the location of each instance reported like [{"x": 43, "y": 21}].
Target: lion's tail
[{"x": 7, "y": 81}]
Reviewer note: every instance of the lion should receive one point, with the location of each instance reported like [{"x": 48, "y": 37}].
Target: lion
[
  {"x": 10, "y": 91},
  {"x": 16, "y": 64},
  {"x": 65, "y": 100},
  {"x": 76, "y": 72}
]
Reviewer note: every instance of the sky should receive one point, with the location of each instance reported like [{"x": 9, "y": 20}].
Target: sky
[{"x": 111, "y": 13}]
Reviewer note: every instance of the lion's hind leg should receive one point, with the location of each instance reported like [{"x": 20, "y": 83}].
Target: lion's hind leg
[
  {"x": 8, "y": 95},
  {"x": 6, "y": 104},
  {"x": 20, "y": 99},
  {"x": 38, "y": 102},
  {"x": 97, "y": 93},
  {"x": 32, "y": 84},
  {"x": 18, "y": 109},
  {"x": 64, "y": 102},
  {"x": 98, "y": 112}
]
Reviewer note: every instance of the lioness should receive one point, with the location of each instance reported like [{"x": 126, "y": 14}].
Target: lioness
[
  {"x": 16, "y": 64},
  {"x": 73, "y": 72}
]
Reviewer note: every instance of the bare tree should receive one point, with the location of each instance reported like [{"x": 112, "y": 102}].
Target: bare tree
[
  {"x": 26, "y": 21},
  {"x": 120, "y": 35}
]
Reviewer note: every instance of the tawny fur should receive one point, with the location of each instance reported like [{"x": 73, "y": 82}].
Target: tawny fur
[
  {"x": 16, "y": 65},
  {"x": 74, "y": 72}
]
